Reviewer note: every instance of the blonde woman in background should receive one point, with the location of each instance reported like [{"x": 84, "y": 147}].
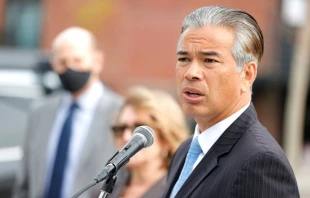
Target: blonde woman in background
[{"x": 148, "y": 168}]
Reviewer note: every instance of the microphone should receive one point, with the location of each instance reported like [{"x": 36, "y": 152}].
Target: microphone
[{"x": 142, "y": 137}]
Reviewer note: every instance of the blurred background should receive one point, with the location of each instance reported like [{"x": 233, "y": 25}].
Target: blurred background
[{"x": 139, "y": 40}]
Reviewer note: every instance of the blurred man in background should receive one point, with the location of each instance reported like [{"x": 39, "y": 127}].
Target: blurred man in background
[
  {"x": 68, "y": 140},
  {"x": 231, "y": 154}
]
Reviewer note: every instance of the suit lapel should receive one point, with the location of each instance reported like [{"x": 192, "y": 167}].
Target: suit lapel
[
  {"x": 87, "y": 156},
  {"x": 222, "y": 146},
  {"x": 96, "y": 129},
  {"x": 204, "y": 168},
  {"x": 91, "y": 138},
  {"x": 43, "y": 131},
  {"x": 96, "y": 133},
  {"x": 175, "y": 171}
]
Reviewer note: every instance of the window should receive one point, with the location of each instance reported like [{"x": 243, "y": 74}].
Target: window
[{"x": 22, "y": 26}]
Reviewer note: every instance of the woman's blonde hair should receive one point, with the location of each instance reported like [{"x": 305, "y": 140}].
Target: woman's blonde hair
[{"x": 166, "y": 114}]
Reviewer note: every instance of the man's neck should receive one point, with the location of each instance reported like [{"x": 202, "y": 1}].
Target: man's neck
[{"x": 208, "y": 121}]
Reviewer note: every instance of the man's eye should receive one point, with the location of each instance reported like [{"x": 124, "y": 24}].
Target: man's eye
[
  {"x": 209, "y": 60},
  {"x": 183, "y": 59}
]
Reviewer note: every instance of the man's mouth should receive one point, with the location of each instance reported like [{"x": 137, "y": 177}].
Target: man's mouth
[{"x": 192, "y": 94}]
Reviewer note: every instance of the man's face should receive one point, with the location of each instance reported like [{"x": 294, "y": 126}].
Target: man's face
[
  {"x": 208, "y": 84},
  {"x": 76, "y": 56}
]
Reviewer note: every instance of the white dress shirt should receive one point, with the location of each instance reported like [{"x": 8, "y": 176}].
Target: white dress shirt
[
  {"x": 208, "y": 137},
  {"x": 87, "y": 103}
]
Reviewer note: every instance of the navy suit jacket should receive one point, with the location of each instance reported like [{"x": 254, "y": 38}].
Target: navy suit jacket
[{"x": 245, "y": 161}]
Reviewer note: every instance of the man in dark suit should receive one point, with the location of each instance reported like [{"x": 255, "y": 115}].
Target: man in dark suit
[
  {"x": 231, "y": 154},
  {"x": 68, "y": 140}
]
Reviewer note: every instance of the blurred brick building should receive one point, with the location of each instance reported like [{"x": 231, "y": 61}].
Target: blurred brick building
[{"x": 139, "y": 39}]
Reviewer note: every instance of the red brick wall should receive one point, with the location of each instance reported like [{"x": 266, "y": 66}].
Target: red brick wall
[{"x": 139, "y": 37}]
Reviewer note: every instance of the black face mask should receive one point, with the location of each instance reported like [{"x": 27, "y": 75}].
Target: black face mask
[{"x": 74, "y": 81}]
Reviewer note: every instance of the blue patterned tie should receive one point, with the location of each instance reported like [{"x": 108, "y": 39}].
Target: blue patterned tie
[
  {"x": 191, "y": 158},
  {"x": 55, "y": 188}
]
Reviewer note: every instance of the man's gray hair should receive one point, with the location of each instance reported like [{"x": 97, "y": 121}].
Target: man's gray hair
[{"x": 249, "y": 42}]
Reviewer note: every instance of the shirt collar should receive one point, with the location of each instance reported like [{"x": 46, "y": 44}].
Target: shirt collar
[{"x": 208, "y": 137}]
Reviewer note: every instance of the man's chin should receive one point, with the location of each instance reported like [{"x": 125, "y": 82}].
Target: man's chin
[{"x": 192, "y": 111}]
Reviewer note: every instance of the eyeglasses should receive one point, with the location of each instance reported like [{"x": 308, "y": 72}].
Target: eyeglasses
[{"x": 119, "y": 129}]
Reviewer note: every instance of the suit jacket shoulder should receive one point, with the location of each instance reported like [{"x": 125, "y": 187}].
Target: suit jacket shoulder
[{"x": 46, "y": 100}]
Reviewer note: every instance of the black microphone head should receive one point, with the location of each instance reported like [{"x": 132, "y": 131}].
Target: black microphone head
[{"x": 147, "y": 133}]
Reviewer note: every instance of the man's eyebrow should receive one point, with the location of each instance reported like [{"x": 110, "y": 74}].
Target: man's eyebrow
[
  {"x": 182, "y": 53},
  {"x": 205, "y": 53},
  {"x": 210, "y": 53}
]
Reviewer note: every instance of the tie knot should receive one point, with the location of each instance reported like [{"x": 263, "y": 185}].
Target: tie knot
[
  {"x": 73, "y": 107},
  {"x": 195, "y": 146}
]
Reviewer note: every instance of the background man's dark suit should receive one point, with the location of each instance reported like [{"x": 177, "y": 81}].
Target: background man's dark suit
[{"x": 244, "y": 162}]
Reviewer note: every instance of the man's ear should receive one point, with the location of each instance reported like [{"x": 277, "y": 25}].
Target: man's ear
[
  {"x": 55, "y": 68},
  {"x": 248, "y": 75},
  {"x": 99, "y": 57}
]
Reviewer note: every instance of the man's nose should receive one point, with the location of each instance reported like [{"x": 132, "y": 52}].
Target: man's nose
[{"x": 194, "y": 71}]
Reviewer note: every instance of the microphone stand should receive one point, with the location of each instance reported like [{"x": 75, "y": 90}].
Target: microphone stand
[
  {"x": 107, "y": 187},
  {"x": 143, "y": 136}
]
